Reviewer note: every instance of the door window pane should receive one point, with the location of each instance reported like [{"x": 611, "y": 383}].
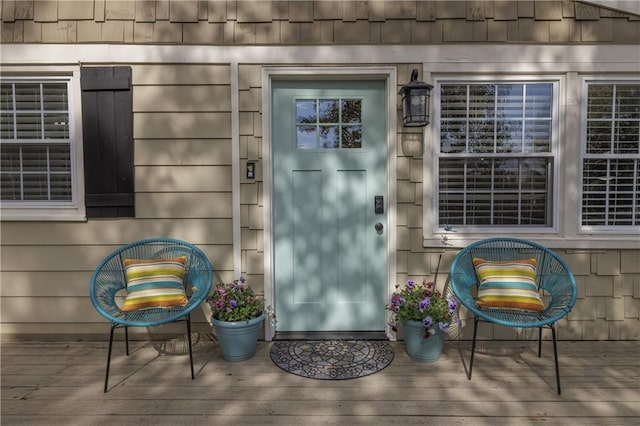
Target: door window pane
[{"x": 329, "y": 124}]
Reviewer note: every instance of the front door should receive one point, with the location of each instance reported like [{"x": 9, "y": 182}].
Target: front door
[{"x": 329, "y": 143}]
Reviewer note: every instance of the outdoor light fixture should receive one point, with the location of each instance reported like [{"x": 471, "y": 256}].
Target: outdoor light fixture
[{"x": 415, "y": 102}]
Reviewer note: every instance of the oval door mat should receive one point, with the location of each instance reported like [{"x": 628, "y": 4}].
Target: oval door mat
[{"x": 332, "y": 359}]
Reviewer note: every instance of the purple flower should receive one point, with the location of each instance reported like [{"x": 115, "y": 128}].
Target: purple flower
[
  {"x": 443, "y": 326},
  {"x": 242, "y": 280},
  {"x": 427, "y": 322},
  {"x": 233, "y": 303},
  {"x": 424, "y": 304},
  {"x": 410, "y": 284},
  {"x": 219, "y": 304},
  {"x": 396, "y": 300},
  {"x": 453, "y": 304}
]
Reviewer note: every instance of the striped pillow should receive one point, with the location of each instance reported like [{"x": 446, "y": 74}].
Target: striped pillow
[
  {"x": 508, "y": 284},
  {"x": 156, "y": 283}
]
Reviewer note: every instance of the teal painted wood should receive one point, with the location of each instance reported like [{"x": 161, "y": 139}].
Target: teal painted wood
[
  {"x": 419, "y": 348},
  {"x": 330, "y": 264},
  {"x": 238, "y": 340}
]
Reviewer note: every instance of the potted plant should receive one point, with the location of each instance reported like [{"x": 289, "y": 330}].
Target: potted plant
[
  {"x": 424, "y": 315},
  {"x": 237, "y": 314}
]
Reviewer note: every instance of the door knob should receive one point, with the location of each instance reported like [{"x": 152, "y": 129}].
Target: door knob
[{"x": 379, "y": 227}]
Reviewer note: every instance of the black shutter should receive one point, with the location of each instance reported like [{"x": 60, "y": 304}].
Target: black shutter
[{"x": 107, "y": 127}]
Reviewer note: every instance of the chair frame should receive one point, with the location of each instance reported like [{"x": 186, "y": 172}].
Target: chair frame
[
  {"x": 108, "y": 282},
  {"x": 554, "y": 279}
]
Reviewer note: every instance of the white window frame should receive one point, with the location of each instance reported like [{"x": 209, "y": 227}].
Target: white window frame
[
  {"x": 73, "y": 210},
  {"x": 585, "y": 80},
  {"x": 441, "y": 235}
]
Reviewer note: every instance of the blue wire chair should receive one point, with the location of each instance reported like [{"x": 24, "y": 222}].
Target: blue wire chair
[
  {"x": 108, "y": 282},
  {"x": 554, "y": 279}
]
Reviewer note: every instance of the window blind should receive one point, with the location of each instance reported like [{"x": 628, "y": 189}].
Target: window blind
[
  {"x": 35, "y": 141},
  {"x": 495, "y": 159}
]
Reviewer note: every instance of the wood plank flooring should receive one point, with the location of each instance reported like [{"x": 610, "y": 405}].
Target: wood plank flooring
[{"x": 60, "y": 383}]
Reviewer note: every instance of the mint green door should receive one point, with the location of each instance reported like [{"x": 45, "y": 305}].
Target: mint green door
[{"x": 329, "y": 153}]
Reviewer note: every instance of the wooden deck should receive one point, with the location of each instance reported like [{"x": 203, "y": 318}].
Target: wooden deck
[{"x": 60, "y": 383}]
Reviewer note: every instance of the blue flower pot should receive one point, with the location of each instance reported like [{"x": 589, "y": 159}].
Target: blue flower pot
[
  {"x": 419, "y": 348},
  {"x": 237, "y": 340}
]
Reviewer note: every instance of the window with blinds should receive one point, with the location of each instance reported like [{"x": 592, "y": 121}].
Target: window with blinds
[
  {"x": 611, "y": 155},
  {"x": 496, "y": 154},
  {"x": 35, "y": 142}
]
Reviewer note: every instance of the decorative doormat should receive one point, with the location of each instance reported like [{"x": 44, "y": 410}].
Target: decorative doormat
[{"x": 332, "y": 359}]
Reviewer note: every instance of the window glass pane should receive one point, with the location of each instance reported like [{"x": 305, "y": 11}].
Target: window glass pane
[
  {"x": 627, "y": 137},
  {"x": 10, "y": 155},
  {"x": 329, "y": 111},
  {"x": 29, "y": 126},
  {"x": 55, "y": 97},
  {"x": 6, "y": 96},
  {"x": 538, "y": 101},
  {"x": 599, "y": 104},
  {"x": 60, "y": 158},
  {"x": 352, "y": 137},
  {"x": 27, "y": 96},
  {"x": 598, "y": 137},
  {"x": 452, "y": 175},
  {"x": 35, "y": 158},
  {"x": 35, "y": 187},
  {"x": 509, "y": 136},
  {"x": 481, "y": 135},
  {"x": 305, "y": 111},
  {"x": 61, "y": 187},
  {"x": 453, "y": 102},
  {"x": 56, "y": 126},
  {"x": 510, "y": 100},
  {"x": 351, "y": 111},
  {"x": 482, "y": 101},
  {"x": 10, "y": 187},
  {"x": 537, "y": 136},
  {"x": 329, "y": 137},
  {"x": 306, "y": 137},
  {"x": 6, "y": 126},
  {"x": 627, "y": 102},
  {"x": 453, "y": 136}
]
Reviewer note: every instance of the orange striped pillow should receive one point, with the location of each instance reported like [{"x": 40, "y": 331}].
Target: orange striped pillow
[
  {"x": 156, "y": 283},
  {"x": 508, "y": 284}
]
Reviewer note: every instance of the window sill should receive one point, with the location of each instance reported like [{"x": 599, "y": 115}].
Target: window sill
[
  {"x": 30, "y": 215},
  {"x": 611, "y": 241}
]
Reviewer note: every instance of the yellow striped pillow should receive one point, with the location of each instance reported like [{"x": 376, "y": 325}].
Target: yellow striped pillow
[
  {"x": 155, "y": 283},
  {"x": 508, "y": 284}
]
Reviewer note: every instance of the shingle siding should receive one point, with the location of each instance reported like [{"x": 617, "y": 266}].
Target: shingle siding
[{"x": 323, "y": 22}]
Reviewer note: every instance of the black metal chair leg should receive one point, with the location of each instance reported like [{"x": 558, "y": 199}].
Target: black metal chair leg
[
  {"x": 193, "y": 376},
  {"x": 473, "y": 346},
  {"x": 539, "y": 342},
  {"x": 106, "y": 376},
  {"x": 126, "y": 338},
  {"x": 555, "y": 356}
]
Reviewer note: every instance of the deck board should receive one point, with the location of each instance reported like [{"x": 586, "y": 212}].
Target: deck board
[{"x": 60, "y": 383}]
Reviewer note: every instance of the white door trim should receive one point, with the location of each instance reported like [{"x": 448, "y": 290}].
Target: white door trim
[{"x": 389, "y": 74}]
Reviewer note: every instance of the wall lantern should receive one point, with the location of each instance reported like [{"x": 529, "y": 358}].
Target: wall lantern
[{"x": 415, "y": 102}]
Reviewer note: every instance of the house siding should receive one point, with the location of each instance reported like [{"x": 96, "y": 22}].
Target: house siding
[{"x": 183, "y": 150}]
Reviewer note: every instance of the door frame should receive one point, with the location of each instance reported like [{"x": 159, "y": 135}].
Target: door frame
[{"x": 386, "y": 73}]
